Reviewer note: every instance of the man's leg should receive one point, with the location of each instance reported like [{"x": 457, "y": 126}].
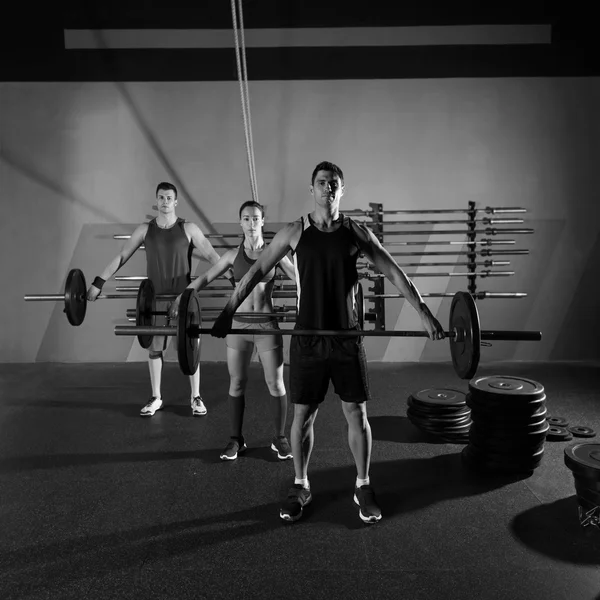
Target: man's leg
[
  {"x": 155, "y": 363},
  {"x": 302, "y": 438},
  {"x": 359, "y": 436},
  {"x": 198, "y": 408}
]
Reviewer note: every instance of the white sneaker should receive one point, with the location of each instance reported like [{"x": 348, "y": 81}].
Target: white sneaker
[
  {"x": 198, "y": 408},
  {"x": 152, "y": 406}
]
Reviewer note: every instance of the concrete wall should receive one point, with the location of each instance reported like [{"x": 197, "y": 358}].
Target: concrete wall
[{"x": 80, "y": 162}]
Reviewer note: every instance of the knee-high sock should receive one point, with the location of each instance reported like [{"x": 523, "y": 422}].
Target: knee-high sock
[
  {"x": 236, "y": 414},
  {"x": 279, "y": 412}
]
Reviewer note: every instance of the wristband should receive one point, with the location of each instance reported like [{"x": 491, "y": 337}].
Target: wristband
[{"x": 98, "y": 282}]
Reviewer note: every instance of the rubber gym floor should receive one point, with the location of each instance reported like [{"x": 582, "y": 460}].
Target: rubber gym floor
[{"x": 97, "y": 502}]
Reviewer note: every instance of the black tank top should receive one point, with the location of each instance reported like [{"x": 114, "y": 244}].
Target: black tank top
[
  {"x": 326, "y": 277},
  {"x": 242, "y": 264},
  {"x": 168, "y": 257}
]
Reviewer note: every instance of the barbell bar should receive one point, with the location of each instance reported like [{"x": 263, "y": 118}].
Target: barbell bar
[
  {"x": 496, "y": 210},
  {"x": 464, "y": 333},
  {"x": 485, "y": 221}
]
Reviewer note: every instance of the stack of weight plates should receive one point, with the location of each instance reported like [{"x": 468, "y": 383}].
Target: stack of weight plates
[
  {"x": 509, "y": 424},
  {"x": 443, "y": 413},
  {"x": 584, "y": 462}
]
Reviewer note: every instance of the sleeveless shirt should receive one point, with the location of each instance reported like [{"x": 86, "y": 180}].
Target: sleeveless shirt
[
  {"x": 168, "y": 257},
  {"x": 326, "y": 277}
]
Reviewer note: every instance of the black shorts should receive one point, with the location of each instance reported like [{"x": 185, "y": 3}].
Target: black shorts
[{"x": 316, "y": 360}]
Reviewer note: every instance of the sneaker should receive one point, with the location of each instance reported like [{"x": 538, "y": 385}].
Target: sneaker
[
  {"x": 236, "y": 446},
  {"x": 369, "y": 511},
  {"x": 298, "y": 497},
  {"x": 281, "y": 445},
  {"x": 198, "y": 408},
  {"x": 152, "y": 406}
]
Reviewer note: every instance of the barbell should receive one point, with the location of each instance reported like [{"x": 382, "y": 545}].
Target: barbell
[
  {"x": 464, "y": 333},
  {"x": 75, "y": 297}
]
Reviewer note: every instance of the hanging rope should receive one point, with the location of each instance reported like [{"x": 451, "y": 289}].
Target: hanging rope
[{"x": 240, "y": 55}]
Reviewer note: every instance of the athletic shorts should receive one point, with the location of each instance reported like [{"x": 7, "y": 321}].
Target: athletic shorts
[
  {"x": 263, "y": 343},
  {"x": 317, "y": 360}
]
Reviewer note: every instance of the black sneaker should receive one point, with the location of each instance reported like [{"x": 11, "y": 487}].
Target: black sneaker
[
  {"x": 281, "y": 445},
  {"x": 298, "y": 497},
  {"x": 369, "y": 511},
  {"x": 236, "y": 446}
]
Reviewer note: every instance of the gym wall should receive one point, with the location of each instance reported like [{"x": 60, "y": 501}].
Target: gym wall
[{"x": 79, "y": 162}]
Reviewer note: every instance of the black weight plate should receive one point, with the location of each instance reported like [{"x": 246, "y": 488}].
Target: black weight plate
[
  {"x": 500, "y": 407},
  {"x": 360, "y": 306},
  {"x": 581, "y": 431},
  {"x": 438, "y": 411},
  {"x": 592, "y": 496},
  {"x": 586, "y": 483},
  {"x": 459, "y": 429},
  {"x": 508, "y": 452},
  {"x": 75, "y": 297},
  {"x": 437, "y": 397},
  {"x": 584, "y": 459},
  {"x": 558, "y": 421},
  {"x": 515, "y": 464},
  {"x": 510, "y": 430},
  {"x": 188, "y": 347},
  {"x": 439, "y": 419},
  {"x": 465, "y": 346},
  {"x": 558, "y": 434},
  {"x": 144, "y": 307},
  {"x": 505, "y": 388}
]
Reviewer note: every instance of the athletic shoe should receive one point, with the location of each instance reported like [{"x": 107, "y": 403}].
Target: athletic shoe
[
  {"x": 298, "y": 497},
  {"x": 152, "y": 406},
  {"x": 281, "y": 445},
  {"x": 236, "y": 446},
  {"x": 369, "y": 511},
  {"x": 198, "y": 408}
]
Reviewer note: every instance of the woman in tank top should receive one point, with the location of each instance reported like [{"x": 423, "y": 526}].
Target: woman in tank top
[{"x": 241, "y": 347}]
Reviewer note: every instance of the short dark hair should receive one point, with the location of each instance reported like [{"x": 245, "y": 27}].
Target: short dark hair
[
  {"x": 165, "y": 185},
  {"x": 327, "y": 166},
  {"x": 255, "y": 204}
]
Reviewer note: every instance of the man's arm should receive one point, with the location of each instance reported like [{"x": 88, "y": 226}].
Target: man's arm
[
  {"x": 207, "y": 252},
  {"x": 222, "y": 265},
  {"x": 269, "y": 257},
  {"x": 130, "y": 246},
  {"x": 383, "y": 261},
  {"x": 287, "y": 266}
]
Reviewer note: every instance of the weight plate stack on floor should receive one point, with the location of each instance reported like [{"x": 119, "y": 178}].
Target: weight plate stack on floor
[
  {"x": 440, "y": 412},
  {"x": 509, "y": 424},
  {"x": 584, "y": 462}
]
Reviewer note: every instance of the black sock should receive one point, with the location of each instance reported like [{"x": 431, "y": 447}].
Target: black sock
[
  {"x": 279, "y": 408},
  {"x": 236, "y": 414}
]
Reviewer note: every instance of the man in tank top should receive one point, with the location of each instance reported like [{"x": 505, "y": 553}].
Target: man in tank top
[
  {"x": 325, "y": 246},
  {"x": 169, "y": 242}
]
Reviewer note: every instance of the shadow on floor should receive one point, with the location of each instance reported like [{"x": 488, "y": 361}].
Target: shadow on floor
[
  {"x": 554, "y": 530},
  {"x": 402, "y": 486}
]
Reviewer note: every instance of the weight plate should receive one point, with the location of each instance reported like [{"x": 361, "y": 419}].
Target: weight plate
[
  {"x": 506, "y": 388},
  {"x": 433, "y": 397},
  {"x": 436, "y": 411},
  {"x": 581, "y": 431},
  {"x": 360, "y": 306},
  {"x": 75, "y": 297},
  {"x": 501, "y": 406},
  {"x": 584, "y": 459},
  {"x": 592, "y": 496},
  {"x": 145, "y": 306},
  {"x": 465, "y": 346},
  {"x": 558, "y": 434},
  {"x": 558, "y": 421},
  {"x": 188, "y": 347}
]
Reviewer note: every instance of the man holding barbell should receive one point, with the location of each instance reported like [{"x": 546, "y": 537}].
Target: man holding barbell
[
  {"x": 326, "y": 245},
  {"x": 169, "y": 242}
]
